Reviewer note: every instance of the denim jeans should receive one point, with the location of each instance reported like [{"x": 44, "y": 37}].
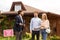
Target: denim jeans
[{"x": 44, "y": 34}]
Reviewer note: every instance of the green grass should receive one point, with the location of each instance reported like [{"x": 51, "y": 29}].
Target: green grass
[
  {"x": 12, "y": 38},
  {"x": 6, "y": 38},
  {"x": 28, "y": 36}
]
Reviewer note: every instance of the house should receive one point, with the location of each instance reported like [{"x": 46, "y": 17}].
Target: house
[{"x": 28, "y": 10}]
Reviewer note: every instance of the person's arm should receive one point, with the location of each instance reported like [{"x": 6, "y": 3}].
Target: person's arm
[
  {"x": 17, "y": 20},
  {"x": 31, "y": 23}
]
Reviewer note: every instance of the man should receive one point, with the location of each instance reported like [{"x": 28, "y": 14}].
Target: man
[
  {"x": 19, "y": 25},
  {"x": 35, "y": 26}
]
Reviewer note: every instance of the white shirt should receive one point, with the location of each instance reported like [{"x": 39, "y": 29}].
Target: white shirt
[
  {"x": 21, "y": 18},
  {"x": 35, "y": 23}
]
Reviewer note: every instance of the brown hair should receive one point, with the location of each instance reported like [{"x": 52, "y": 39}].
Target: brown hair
[
  {"x": 19, "y": 11},
  {"x": 44, "y": 14}
]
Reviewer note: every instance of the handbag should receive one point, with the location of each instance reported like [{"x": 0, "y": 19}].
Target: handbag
[{"x": 48, "y": 30}]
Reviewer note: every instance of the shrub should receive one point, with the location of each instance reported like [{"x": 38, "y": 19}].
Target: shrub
[{"x": 55, "y": 37}]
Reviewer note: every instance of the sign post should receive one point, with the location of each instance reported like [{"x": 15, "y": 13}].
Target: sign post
[{"x": 8, "y": 33}]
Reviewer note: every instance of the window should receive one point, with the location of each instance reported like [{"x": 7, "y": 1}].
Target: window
[{"x": 17, "y": 7}]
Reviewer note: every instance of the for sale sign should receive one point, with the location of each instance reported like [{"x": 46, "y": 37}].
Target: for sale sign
[{"x": 8, "y": 32}]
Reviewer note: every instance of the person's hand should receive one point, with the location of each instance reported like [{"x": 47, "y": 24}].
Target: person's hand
[
  {"x": 41, "y": 27},
  {"x": 31, "y": 32},
  {"x": 21, "y": 24},
  {"x": 46, "y": 27}
]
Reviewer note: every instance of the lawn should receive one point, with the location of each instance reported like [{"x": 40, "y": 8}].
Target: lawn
[
  {"x": 11, "y": 38},
  {"x": 6, "y": 38},
  {"x": 28, "y": 36}
]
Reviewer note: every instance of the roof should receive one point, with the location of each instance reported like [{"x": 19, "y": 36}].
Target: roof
[{"x": 28, "y": 9}]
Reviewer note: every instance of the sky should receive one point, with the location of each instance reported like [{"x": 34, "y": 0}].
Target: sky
[{"x": 45, "y": 5}]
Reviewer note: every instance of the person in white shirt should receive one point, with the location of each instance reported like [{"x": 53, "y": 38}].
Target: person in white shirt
[
  {"x": 44, "y": 25},
  {"x": 35, "y": 26}
]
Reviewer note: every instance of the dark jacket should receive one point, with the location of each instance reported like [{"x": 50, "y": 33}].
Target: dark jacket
[{"x": 18, "y": 27}]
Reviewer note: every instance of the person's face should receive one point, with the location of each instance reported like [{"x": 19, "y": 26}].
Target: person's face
[
  {"x": 35, "y": 14},
  {"x": 44, "y": 17},
  {"x": 22, "y": 13}
]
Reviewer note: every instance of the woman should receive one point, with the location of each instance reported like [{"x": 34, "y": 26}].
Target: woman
[{"x": 44, "y": 26}]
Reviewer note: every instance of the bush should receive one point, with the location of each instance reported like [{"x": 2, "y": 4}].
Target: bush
[
  {"x": 28, "y": 36},
  {"x": 55, "y": 37}
]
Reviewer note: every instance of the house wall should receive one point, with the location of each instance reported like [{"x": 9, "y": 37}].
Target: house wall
[
  {"x": 27, "y": 21},
  {"x": 53, "y": 26},
  {"x": 58, "y": 26}
]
